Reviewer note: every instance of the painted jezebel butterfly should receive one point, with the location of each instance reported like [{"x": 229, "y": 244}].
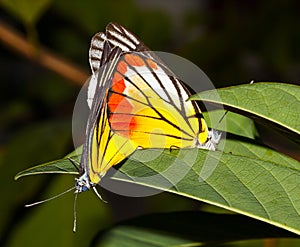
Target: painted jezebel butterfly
[{"x": 136, "y": 101}]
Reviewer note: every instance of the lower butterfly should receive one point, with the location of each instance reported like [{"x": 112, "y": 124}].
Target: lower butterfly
[{"x": 136, "y": 101}]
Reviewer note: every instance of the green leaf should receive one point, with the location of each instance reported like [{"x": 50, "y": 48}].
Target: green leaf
[
  {"x": 27, "y": 11},
  {"x": 254, "y": 151},
  {"x": 278, "y": 103},
  {"x": 246, "y": 178},
  {"x": 61, "y": 166},
  {"x": 260, "y": 189},
  {"x": 262, "y": 185},
  {"x": 231, "y": 122},
  {"x": 196, "y": 228}
]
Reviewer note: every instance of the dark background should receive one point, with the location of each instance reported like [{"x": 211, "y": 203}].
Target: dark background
[{"x": 233, "y": 42}]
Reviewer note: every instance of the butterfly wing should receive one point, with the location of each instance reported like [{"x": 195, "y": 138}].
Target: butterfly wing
[
  {"x": 115, "y": 36},
  {"x": 103, "y": 147},
  {"x": 147, "y": 104},
  {"x": 135, "y": 101}
]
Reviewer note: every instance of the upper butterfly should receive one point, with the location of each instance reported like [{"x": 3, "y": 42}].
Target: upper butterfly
[{"x": 136, "y": 101}]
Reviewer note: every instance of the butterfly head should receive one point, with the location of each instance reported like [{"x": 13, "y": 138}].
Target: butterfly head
[{"x": 82, "y": 183}]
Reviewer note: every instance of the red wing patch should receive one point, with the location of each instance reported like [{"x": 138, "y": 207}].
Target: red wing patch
[{"x": 117, "y": 102}]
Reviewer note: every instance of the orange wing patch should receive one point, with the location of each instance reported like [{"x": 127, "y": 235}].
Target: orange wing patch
[
  {"x": 134, "y": 60},
  {"x": 152, "y": 64}
]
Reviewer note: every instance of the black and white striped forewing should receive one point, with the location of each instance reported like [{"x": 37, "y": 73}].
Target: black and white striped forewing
[{"x": 116, "y": 36}]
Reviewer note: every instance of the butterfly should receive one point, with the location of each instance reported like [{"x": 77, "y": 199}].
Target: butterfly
[{"x": 135, "y": 102}]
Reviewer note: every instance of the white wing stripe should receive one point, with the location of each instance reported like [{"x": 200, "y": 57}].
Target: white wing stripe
[
  {"x": 123, "y": 47},
  {"x": 132, "y": 37},
  {"x": 95, "y": 52},
  {"x": 122, "y": 40},
  {"x": 121, "y": 31}
]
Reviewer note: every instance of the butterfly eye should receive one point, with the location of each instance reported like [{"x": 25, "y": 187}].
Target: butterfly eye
[
  {"x": 84, "y": 188},
  {"x": 80, "y": 187}
]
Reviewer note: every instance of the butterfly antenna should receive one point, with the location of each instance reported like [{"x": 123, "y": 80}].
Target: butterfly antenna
[
  {"x": 221, "y": 119},
  {"x": 75, "y": 213},
  {"x": 75, "y": 164},
  {"x": 49, "y": 199},
  {"x": 97, "y": 193}
]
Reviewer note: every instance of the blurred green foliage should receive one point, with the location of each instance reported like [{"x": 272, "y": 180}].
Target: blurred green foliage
[
  {"x": 232, "y": 41},
  {"x": 26, "y": 11}
]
